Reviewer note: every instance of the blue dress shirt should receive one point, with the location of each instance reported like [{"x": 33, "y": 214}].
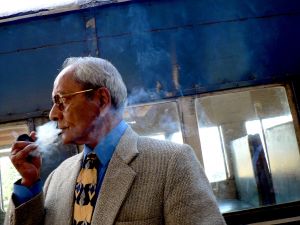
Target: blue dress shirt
[{"x": 104, "y": 151}]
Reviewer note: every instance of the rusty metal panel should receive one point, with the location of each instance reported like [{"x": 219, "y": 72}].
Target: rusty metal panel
[
  {"x": 200, "y": 46},
  {"x": 31, "y": 54},
  {"x": 41, "y": 32},
  {"x": 164, "y": 48},
  {"x": 26, "y": 80}
]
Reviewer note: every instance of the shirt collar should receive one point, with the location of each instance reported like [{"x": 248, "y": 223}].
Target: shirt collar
[{"x": 106, "y": 147}]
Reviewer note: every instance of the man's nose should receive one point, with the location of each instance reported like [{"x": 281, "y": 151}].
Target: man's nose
[{"x": 55, "y": 114}]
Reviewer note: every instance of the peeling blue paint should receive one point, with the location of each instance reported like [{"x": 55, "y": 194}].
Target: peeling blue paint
[{"x": 186, "y": 47}]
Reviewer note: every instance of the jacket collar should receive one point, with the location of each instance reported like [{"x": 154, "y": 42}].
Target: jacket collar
[{"x": 118, "y": 179}]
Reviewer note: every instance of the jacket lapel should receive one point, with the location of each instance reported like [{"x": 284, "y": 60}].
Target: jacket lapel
[{"x": 118, "y": 179}]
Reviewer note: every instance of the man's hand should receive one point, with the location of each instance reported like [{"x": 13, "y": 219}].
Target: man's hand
[{"x": 27, "y": 160}]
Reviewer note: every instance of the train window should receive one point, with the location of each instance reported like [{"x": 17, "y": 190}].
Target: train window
[
  {"x": 8, "y": 174},
  {"x": 213, "y": 153},
  {"x": 159, "y": 120},
  {"x": 248, "y": 140}
]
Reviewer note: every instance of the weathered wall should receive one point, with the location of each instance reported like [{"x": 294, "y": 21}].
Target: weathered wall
[{"x": 165, "y": 48}]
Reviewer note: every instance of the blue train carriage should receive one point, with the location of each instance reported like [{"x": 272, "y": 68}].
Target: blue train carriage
[{"x": 221, "y": 76}]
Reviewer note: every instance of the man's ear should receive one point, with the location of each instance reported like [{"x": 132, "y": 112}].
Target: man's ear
[{"x": 103, "y": 97}]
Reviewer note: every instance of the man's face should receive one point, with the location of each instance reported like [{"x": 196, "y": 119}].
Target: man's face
[{"x": 78, "y": 115}]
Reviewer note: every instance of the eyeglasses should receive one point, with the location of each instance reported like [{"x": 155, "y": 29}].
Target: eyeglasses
[{"x": 59, "y": 99}]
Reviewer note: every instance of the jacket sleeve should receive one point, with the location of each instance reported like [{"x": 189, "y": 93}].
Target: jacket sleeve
[
  {"x": 28, "y": 213},
  {"x": 188, "y": 197}
]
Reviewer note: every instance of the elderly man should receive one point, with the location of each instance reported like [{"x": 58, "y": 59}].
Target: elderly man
[{"x": 120, "y": 177}]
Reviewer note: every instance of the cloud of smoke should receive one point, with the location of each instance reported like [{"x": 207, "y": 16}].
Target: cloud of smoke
[
  {"x": 47, "y": 137},
  {"x": 51, "y": 148},
  {"x": 139, "y": 95}
]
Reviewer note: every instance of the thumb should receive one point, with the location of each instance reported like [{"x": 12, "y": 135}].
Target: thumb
[{"x": 33, "y": 135}]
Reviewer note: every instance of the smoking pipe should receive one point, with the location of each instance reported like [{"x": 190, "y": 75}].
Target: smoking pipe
[{"x": 25, "y": 137}]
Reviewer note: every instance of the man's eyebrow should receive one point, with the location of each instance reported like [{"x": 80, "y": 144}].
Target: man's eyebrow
[{"x": 60, "y": 93}]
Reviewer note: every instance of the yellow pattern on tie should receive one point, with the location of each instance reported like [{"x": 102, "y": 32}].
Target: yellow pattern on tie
[{"x": 85, "y": 191}]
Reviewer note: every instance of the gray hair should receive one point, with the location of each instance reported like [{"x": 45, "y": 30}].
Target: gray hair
[{"x": 96, "y": 72}]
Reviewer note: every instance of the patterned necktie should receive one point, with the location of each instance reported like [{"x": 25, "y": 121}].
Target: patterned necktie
[{"x": 85, "y": 191}]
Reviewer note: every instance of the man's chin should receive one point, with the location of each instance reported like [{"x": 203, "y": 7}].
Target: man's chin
[
  {"x": 65, "y": 139},
  {"x": 69, "y": 140}
]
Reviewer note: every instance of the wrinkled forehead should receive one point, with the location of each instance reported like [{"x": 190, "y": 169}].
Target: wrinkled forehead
[
  {"x": 64, "y": 82},
  {"x": 65, "y": 73}
]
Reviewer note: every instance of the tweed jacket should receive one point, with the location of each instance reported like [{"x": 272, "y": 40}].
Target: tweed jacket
[{"x": 147, "y": 182}]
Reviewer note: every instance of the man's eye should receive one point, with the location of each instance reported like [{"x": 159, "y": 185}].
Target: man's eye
[
  {"x": 61, "y": 106},
  {"x": 56, "y": 99}
]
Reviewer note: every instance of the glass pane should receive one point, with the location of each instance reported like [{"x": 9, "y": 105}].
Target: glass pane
[
  {"x": 10, "y": 131},
  {"x": 212, "y": 153},
  {"x": 249, "y": 139},
  {"x": 8, "y": 174},
  {"x": 159, "y": 121}
]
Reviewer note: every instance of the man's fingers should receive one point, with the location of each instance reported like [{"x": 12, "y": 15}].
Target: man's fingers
[
  {"x": 20, "y": 144},
  {"x": 21, "y": 152}
]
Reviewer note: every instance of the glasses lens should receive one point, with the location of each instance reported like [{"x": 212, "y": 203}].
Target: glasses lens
[
  {"x": 56, "y": 99},
  {"x": 59, "y": 102}
]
